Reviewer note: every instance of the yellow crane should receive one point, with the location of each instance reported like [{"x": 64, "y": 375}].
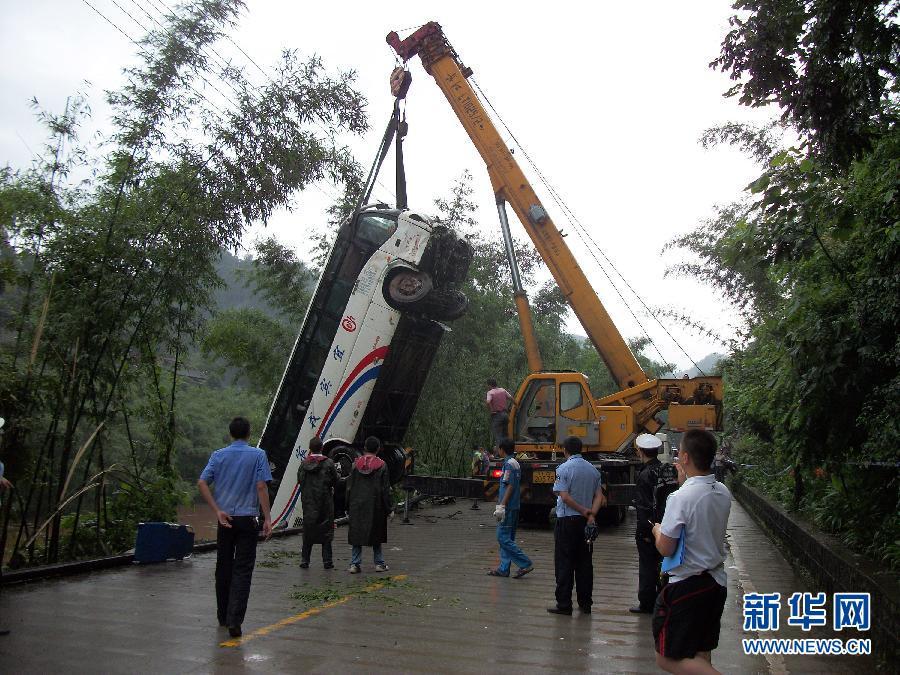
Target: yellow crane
[{"x": 551, "y": 405}]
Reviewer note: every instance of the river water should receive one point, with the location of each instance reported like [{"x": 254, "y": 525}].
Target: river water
[{"x": 201, "y": 518}]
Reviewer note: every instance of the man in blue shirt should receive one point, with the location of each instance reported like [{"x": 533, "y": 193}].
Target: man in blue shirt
[
  {"x": 507, "y": 513},
  {"x": 578, "y": 499},
  {"x": 240, "y": 473}
]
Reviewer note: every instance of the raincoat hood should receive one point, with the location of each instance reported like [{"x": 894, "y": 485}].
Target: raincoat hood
[
  {"x": 312, "y": 462},
  {"x": 367, "y": 464}
]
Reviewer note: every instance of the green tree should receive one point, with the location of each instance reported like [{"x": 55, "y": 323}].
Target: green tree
[
  {"x": 110, "y": 278},
  {"x": 810, "y": 257},
  {"x": 831, "y": 65}
]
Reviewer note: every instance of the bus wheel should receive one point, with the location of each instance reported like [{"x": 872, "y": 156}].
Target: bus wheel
[
  {"x": 343, "y": 457},
  {"x": 406, "y": 287}
]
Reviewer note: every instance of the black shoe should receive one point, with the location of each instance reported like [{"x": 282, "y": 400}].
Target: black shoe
[
  {"x": 304, "y": 564},
  {"x": 560, "y": 610},
  {"x": 640, "y": 610},
  {"x": 234, "y": 631},
  {"x": 4, "y": 631},
  {"x": 329, "y": 566},
  {"x": 584, "y": 610}
]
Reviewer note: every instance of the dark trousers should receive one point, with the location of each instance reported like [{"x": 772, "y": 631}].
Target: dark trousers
[
  {"x": 306, "y": 551},
  {"x": 649, "y": 561},
  {"x": 235, "y": 557},
  {"x": 572, "y": 560},
  {"x": 499, "y": 420}
]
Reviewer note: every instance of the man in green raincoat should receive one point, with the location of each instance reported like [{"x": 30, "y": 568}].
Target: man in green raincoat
[
  {"x": 368, "y": 505},
  {"x": 317, "y": 478}
]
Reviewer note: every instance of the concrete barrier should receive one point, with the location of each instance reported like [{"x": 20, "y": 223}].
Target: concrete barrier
[{"x": 832, "y": 567}]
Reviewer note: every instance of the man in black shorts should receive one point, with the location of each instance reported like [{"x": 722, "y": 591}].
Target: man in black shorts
[{"x": 688, "y": 611}]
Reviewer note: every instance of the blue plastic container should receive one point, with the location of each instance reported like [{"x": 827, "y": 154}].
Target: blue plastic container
[{"x": 158, "y": 542}]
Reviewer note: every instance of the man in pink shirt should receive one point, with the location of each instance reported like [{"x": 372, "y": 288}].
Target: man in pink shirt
[{"x": 498, "y": 400}]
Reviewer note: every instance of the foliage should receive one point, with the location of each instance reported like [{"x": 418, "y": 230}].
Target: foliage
[
  {"x": 282, "y": 279},
  {"x": 810, "y": 257},
  {"x": 109, "y": 278},
  {"x": 252, "y": 343},
  {"x": 830, "y": 64}
]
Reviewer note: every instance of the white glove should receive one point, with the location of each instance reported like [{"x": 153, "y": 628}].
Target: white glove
[{"x": 500, "y": 513}]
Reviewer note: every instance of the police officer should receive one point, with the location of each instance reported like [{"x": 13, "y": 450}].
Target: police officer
[
  {"x": 579, "y": 498},
  {"x": 649, "y": 558},
  {"x": 240, "y": 474}
]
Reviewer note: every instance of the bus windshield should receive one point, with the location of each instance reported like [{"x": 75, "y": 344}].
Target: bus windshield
[{"x": 375, "y": 229}]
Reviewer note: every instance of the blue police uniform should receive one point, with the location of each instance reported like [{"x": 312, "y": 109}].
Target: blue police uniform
[{"x": 571, "y": 555}]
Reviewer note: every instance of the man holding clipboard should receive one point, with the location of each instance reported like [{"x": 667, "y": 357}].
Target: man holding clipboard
[{"x": 688, "y": 611}]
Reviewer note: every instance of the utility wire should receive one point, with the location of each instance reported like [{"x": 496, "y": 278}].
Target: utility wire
[
  {"x": 573, "y": 219},
  {"x": 220, "y": 62},
  {"x": 144, "y": 51},
  {"x": 147, "y": 32},
  {"x": 164, "y": 7}
]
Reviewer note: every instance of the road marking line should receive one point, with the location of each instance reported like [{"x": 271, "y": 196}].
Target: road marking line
[
  {"x": 775, "y": 662},
  {"x": 312, "y": 611}
]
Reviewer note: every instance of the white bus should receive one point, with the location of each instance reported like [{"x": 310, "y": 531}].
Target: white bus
[{"x": 366, "y": 345}]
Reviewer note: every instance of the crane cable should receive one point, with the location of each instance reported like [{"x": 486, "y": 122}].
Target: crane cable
[
  {"x": 564, "y": 209},
  {"x": 572, "y": 218}
]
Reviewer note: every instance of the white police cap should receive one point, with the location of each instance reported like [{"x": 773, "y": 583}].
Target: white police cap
[{"x": 647, "y": 442}]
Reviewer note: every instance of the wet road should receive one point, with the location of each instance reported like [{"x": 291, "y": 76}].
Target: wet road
[{"x": 434, "y": 611}]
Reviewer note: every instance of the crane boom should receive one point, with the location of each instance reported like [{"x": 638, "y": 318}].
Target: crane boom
[{"x": 511, "y": 186}]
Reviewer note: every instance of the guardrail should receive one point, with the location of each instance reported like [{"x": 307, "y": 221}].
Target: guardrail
[{"x": 833, "y": 567}]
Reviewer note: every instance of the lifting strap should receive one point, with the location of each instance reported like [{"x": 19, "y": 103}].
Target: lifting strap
[
  {"x": 402, "y": 128},
  {"x": 400, "y": 81}
]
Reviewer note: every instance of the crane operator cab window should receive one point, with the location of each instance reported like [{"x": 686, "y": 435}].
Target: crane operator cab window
[
  {"x": 536, "y": 417},
  {"x": 576, "y": 415}
]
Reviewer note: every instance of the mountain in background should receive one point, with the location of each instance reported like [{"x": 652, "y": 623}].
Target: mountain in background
[
  {"x": 236, "y": 293},
  {"x": 707, "y": 364}
]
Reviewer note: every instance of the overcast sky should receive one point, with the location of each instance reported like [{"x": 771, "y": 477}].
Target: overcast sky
[{"x": 609, "y": 99}]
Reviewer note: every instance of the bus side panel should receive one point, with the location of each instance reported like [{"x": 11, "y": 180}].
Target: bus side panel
[
  {"x": 401, "y": 381},
  {"x": 352, "y": 365},
  {"x": 354, "y": 361}
]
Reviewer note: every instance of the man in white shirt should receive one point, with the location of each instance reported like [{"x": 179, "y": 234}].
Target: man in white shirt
[{"x": 688, "y": 611}]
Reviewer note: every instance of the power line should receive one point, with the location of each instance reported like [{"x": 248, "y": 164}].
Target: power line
[
  {"x": 221, "y": 63},
  {"x": 147, "y": 32},
  {"x": 216, "y": 111},
  {"x": 160, "y": 4},
  {"x": 570, "y": 215},
  {"x": 144, "y": 51}
]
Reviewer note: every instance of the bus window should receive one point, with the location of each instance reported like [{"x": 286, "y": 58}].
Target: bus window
[{"x": 375, "y": 229}]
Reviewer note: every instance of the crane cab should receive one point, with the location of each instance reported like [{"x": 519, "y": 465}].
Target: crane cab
[{"x": 551, "y": 406}]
